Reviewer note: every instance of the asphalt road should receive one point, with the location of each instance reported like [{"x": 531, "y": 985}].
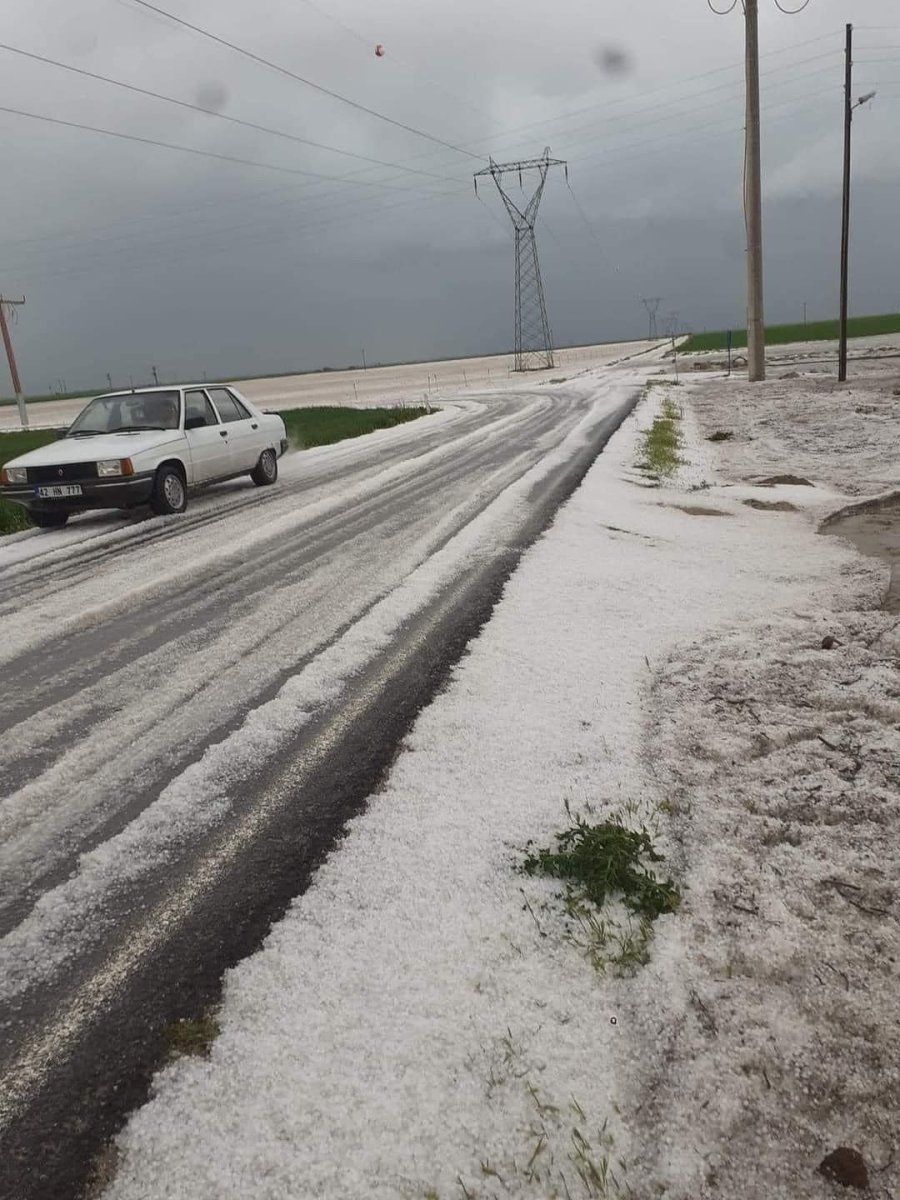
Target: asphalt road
[{"x": 192, "y": 709}]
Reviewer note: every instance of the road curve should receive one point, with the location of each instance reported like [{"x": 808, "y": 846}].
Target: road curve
[{"x": 194, "y": 707}]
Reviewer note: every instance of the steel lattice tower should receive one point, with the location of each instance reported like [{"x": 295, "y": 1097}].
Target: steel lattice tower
[{"x": 534, "y": 342}]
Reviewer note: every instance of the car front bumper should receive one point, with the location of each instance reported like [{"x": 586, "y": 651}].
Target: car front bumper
[{"x": 118, "y": 492}]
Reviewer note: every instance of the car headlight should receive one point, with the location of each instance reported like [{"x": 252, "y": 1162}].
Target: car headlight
[
  {"x": 14, "y": 475},
  {"x": 114, "y": 466}
]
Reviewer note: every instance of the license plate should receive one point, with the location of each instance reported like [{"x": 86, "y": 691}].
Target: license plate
[{"x": 57, "y": 491}]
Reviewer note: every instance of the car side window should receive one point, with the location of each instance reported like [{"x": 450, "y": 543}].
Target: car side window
[
  {"x": 229, "y": 408},
  {"x": 198, "y": 411}
]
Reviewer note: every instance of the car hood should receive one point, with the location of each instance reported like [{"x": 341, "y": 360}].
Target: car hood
[{"x": 98, "y": 446}]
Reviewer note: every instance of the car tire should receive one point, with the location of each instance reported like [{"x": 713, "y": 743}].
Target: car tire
[
  {"x": 266, "y": 470},
  {"x": 49, "y": 520},
  {"x": 169, "y": 493}
]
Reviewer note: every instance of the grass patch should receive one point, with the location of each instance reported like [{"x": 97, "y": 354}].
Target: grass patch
[
  {"x": 661, "y": 443},
  {"x": 721, "y": 435},
  {"x": 782, "y": 335},
  {"x": 561, "y": 1155},
  {"x": 604, "y": 869},
  {"x": 604, "y": 861},
  {"x": 20, "y": 441},
  {"x": 13, "y": 518},
  {"x": 321, "y": 426},
  {"x": 193, "y": 1037}
]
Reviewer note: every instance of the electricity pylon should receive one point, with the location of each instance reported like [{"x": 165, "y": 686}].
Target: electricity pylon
[
  {"x": 534, "y": 342},
  {"x": 652, "y": 307}
]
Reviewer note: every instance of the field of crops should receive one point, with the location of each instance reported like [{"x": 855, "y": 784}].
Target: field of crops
[{"x": 782, "y": 335}]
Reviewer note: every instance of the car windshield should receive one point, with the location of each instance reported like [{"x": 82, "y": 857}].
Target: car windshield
[{"x": 126, "y": 412}]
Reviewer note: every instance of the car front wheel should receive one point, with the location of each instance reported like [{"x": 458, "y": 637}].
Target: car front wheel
[
  {"x": 169, "y": 492},
  {"x": 266, "y": 470},
  {"x": 49, "y": 520}
]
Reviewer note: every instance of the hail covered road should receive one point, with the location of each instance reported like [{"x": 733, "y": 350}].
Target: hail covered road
[{"x": 193, "y": 707}]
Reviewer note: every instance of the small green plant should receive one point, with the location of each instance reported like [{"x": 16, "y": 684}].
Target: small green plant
[
  {"x": 661, "y": 443},
  {"x": 600, "y": 862},
  {"x": 190, "y": 1036},
  {"x": 603, "y": 865}
]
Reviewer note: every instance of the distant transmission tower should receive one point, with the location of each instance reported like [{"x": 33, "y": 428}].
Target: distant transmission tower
[
  {"x": 652, "y": 307},
  {"x": 534, "y": 343}
]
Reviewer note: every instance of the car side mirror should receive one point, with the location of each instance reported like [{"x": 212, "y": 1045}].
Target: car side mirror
[
  {"x": 59, "y": 434},
  {"x": 194, "y": 422}
]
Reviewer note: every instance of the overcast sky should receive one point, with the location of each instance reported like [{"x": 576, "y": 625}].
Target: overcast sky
[{"x": 132, "y": 255}]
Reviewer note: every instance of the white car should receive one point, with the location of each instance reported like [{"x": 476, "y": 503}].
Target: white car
[{"x": 148, "y": 446}]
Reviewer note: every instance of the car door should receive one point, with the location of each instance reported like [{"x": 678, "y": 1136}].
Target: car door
[
  {"x": 245, "y": 437},
  {"x": 207, "y": 438}
]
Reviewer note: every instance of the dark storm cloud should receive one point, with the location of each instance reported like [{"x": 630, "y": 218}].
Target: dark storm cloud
[{"x": 132, "y": 255}]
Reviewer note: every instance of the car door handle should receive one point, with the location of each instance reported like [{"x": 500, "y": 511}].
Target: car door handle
[{"x": 223, "y": 433}]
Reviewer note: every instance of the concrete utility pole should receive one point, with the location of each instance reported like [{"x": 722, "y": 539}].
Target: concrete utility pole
[
  {"x": 11, "y": 358},
  {"x": 756, "y": 332},
  {"x": 845, "y": 209},
  {"x": 849, "y": 107}
]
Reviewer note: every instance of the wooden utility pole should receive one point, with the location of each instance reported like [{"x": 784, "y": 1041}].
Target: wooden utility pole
[
  {"x": 11, "y": 358},
  {"x": 756, "y": 333}
]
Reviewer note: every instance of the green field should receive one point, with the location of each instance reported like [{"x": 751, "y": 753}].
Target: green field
[
  {"x": 782, "y": 335},
  {"x": 306, "y": 427},
  {"x": 12, "y": 516}
]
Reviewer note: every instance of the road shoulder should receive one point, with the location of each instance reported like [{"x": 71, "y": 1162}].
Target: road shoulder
[{"x": 422, "y": 1023}]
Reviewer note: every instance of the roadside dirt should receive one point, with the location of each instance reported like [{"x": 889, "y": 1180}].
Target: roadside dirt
[{"x": 874, "y": 529}]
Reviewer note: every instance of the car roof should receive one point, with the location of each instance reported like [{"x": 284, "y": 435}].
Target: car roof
[{"x": 172, "y": 387}]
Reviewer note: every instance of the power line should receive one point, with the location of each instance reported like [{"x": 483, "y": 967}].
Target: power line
[
  {"x": 680, "y": 115},
  {"x": 229, "y": 243},
  {"x": 206, "y": 112},
  {"x": 392, "y": 57},
  {"x": 617, "y": 151},
  {"x": 272, "y": 66},
  {"x": 632, "y": 151},
  {"x": 431, "y": 153},
  {"x": 244, "y": 162},
  {"x": 607, "y": 105}
]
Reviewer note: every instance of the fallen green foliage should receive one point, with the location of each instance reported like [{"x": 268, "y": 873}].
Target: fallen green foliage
[{"x": 603, "y": 862}]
